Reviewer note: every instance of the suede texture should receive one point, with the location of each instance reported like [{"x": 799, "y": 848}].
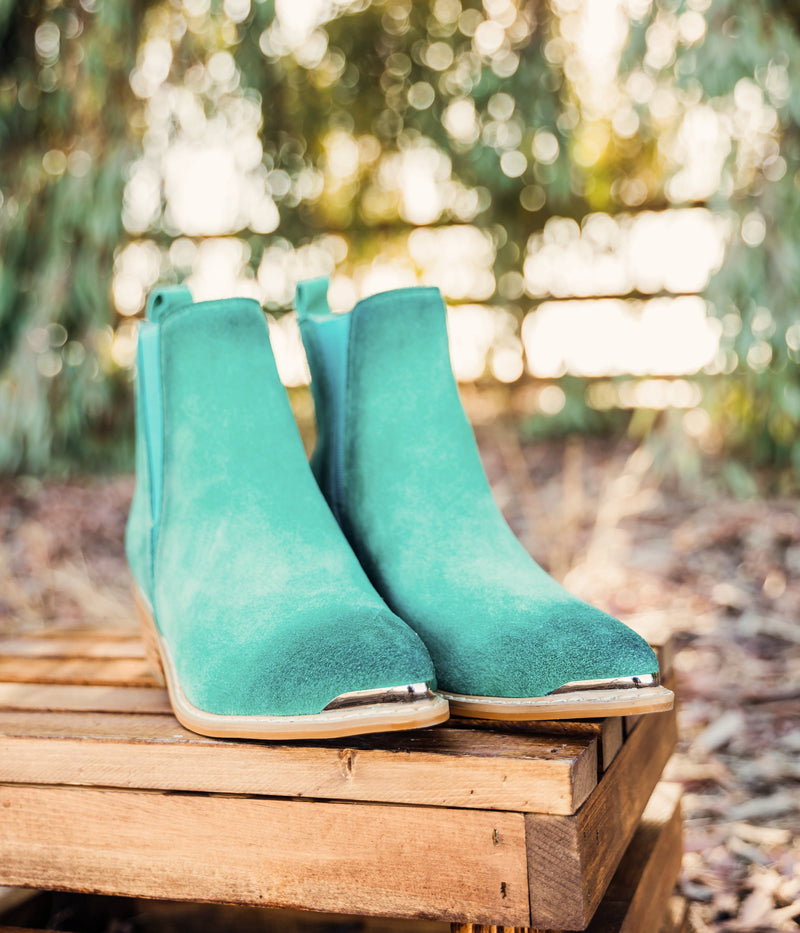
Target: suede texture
[
  {"x": 165, "y": 297},
  {"x": 263, "y": 604},
  {"x": 325, "y": 339},
  {"x": 421, "y": 517},
  {"x": 139, "y": 530}
]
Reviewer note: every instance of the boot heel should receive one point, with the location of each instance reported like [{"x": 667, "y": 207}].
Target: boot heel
[{"x": 148, "y": 626}]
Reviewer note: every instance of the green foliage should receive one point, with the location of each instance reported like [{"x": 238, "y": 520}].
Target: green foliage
[
  {"x": 64, "y": 148},
  {"x": 575, "y": 417},
  {"x": 510, "y": 115},
  {"x": 756, "y": 408}
]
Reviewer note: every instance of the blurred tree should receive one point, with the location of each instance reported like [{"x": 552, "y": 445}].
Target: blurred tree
[
  {"x": 352, "y": 124},
  {"x": 65, "y": 143},
  {"x": 744, "y": 72}
]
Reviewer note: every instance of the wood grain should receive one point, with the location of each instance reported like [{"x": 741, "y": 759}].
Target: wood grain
[
  {"x": 124, "y": 630},
  {"x": 608, "y": 732},
  {"x": 440, "y": 767},
  {"x": 571, "y": 859},
  {"x": 611, "y": 739},
  {"x": 106, "y": 671},
  {"x": 83, "y": 698},
  {"x": 638, "y": 896},
  {"x": 352, "y": 858},
  {"x": 83, "y": 646}
]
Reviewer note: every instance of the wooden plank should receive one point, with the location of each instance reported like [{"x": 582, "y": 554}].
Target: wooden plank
[
  {"x": 571, "y": 859},
  {"x": 611, "y": 739},
  {"x": 351, "y": 858},
  {"x": 113, "y": 671},
  {"x": 608, "y": 732},
  {"x": 638, "y": 895},
  {"x": 79, "y": 698},
  {"x": 629, "y": 724},
  {"x": 125, "y": 631},
  {"x": 72, "y": 647},
  {"x": 440, "y": 767}
]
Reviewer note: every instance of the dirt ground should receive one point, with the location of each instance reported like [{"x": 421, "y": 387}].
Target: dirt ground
[{"x": 725, "y": 574}]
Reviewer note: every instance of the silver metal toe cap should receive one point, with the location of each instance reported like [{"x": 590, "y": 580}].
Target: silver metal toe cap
[
  {"x": 408, "y": 693},
  {"x": 609, "y": 683}
]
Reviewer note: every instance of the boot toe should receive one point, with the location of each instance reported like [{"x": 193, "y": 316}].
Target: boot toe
[{"x": 299, "y": 669}]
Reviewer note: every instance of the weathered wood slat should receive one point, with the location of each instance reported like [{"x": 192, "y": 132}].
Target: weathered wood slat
[
  {"x": 358, "y": 858},
  {"x": 502, "y": 825},
  {"x": 126, "y": 631},
  {"x": 571, "y": 859},
  {"x": 440, "y": 767},
  {"x": 608, "y": 732},
  {"x": 629, "y": 723},
  {"x": 99, "y": 699},
  {"x": 611, "y": 740},
  {"x": 104, "y": 671},
  {"x": 639, "y": 893},
  {"x": 80, "y": 698},
  {"x": 638, "y": 897},
  {"x": 83, "y": 646}
]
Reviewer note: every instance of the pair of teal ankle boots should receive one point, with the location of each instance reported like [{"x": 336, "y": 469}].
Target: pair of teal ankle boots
[{"x": 381, "y": 591}]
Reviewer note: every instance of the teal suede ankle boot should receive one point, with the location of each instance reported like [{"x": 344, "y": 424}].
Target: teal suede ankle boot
[
  {"x": 257, "y": 610},
  {"x": 398, "y": 463}
]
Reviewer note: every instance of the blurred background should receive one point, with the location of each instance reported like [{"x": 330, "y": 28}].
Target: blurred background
[{"x": 608, "y": 194}]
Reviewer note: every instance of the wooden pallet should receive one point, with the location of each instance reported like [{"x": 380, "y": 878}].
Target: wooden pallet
[
  {"x": 639, "y": 894},
  {"x": 519, "y": 825}
]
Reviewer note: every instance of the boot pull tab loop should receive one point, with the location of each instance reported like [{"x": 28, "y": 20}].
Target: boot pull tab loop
[
  {"x": 165, "y": 297},
  {"x": 311, "y": 297}
]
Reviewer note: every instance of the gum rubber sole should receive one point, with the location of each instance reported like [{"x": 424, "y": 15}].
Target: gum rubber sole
[
  {"x": 331, "y": 724},
  {"x": 581, "y": 704}
]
